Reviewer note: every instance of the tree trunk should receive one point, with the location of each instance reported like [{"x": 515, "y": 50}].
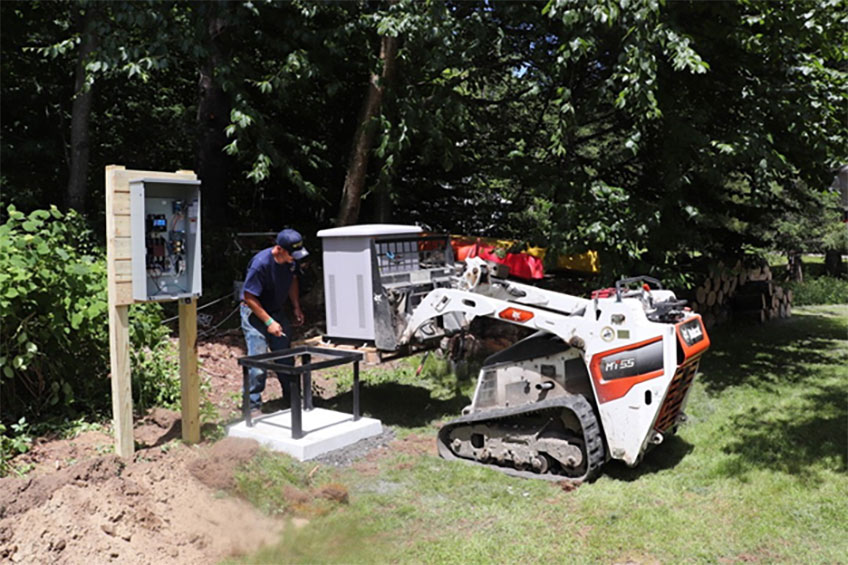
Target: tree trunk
[
  {"x": 384, "y": 205},
  {"x": 833, "y": 262},
  {"x": 795, "y": 267},
  {"x": 384, "y": 209},
  {"x": 213, "y": 113},
  {"x": 77, "y": 190},
  {"x": 363, "y": 140}
]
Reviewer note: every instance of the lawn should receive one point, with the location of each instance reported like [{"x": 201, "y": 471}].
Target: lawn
[{"x": 758, "y": 474}]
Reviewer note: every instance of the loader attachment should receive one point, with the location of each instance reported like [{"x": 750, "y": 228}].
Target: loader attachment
[{"x": 404, "y": 270}]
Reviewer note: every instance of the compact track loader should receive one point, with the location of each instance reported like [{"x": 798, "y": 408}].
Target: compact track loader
[
  {"x": 596, "y": 379},
  {"x": 601, "y": 378}
]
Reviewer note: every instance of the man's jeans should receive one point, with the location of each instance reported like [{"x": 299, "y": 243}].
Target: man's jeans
[{"x": 260, "y": 341}]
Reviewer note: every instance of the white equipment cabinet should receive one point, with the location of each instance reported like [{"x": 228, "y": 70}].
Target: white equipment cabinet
[{"x": 350, "y": 280}]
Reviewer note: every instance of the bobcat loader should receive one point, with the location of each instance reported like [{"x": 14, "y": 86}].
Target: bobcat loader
[{"x": 601, "y": 378}]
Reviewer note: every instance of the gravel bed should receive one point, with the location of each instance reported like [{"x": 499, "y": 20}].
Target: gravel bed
[{"x": 347, "y": 455}]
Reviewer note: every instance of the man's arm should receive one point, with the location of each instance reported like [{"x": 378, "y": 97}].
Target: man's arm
[
  {"x": 294, "y": 296},
  {"x": 274, "y": 328}
]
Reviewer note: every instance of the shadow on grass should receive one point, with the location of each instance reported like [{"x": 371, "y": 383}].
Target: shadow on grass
[
  {"x": 780, "y": 352},
  {"x": 664, "y": 456},
  {"x": 798, "y": 368},
  {"x": 397, "y": 404},
  {"x": 792, "y": 442}
]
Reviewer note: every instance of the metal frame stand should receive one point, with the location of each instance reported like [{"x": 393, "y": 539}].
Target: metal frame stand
[{"x": 293, "y": 374}]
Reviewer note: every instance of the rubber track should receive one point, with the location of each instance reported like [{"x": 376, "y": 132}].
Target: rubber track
[{"x": 594, "y": 453}]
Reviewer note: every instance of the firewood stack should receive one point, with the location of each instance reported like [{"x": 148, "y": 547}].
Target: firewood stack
[{"x": 742, "y": 293}]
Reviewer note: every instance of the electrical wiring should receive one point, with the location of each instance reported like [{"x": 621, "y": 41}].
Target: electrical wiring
[
  {"x": 155, "y": 278},
  {"x": 219, "y": 324},
  {"x": 199, "y": 308}
]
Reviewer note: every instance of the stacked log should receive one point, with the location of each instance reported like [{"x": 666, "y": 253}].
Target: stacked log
[
  {"x": 763, "y": 301},
  {"x": 740, "y": 292}
]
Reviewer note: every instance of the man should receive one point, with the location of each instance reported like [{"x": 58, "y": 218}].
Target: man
[{"x": 271, "y": 280}]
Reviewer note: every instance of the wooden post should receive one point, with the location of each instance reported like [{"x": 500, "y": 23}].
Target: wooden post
[
  {"x": 189, "y": 379},
  {"x": 119, "y": 347},
  {"x": 120, "y": 295}
]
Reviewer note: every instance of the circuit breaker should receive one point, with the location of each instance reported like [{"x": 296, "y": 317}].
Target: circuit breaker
[{"x": 165, "y": 223}]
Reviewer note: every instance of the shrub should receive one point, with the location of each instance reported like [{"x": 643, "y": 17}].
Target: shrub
[
  {"x": 820, "y": 290},
  {"x": 53, "y": 306},
  {"x": 54, "y": 339},
  {"x": 12, "y": 444},
  {"x": 155, "y": 371}
]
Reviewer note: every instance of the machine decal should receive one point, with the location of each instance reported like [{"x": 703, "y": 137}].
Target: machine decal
[
  {"x": 607, "y": 334},
  {"x": 616, "y": 371},
  {"x": 693, "y": 338},
  {"x": 516, "y": 315}
]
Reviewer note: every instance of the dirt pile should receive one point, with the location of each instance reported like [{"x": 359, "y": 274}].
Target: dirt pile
[
  {"x": 217, "y": 469},
  {"x": 103, "y": 510}
]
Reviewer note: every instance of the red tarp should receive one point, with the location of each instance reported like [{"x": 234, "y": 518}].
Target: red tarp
[{"x": 521, "y": 265}]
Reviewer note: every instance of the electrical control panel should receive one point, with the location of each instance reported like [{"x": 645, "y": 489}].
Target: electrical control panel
[{"x": 165, "y": 220}]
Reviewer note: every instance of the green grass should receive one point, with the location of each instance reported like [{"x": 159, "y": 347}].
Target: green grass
[
  {"x": 758, "y": 474},
  {"x": 780, "y": 260},
  {"x": 820, "y": 290}
]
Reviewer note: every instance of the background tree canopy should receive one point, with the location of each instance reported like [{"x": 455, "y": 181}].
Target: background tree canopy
[{"x": 651, "y": 131}]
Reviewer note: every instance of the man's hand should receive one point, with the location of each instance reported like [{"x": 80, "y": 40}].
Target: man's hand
[
  {"x": 276, "y": 329},
  {"x": 298, "y": 316}
]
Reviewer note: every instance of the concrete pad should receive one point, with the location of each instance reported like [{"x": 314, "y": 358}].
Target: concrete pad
[{"x": 323, "y": 431}]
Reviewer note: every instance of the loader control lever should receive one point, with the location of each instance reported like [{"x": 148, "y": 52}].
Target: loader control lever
[{"x": 640, "y": 279}]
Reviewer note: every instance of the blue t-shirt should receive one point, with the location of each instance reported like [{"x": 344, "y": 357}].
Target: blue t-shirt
[{"x": 269, "y": 281}]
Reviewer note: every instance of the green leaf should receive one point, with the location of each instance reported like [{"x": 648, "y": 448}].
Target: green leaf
[{"x": 95, "y": 309}]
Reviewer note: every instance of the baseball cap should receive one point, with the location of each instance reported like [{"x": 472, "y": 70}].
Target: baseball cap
[{"x": 292, "y": 241}]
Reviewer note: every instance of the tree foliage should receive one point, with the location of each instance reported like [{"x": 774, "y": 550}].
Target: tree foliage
[{"x": 649, "y": 130}]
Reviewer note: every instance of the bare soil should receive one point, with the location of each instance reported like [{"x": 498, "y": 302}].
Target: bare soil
[
  {"x": 171, "y": 507},
  {"x": 172, "y": 503}
]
